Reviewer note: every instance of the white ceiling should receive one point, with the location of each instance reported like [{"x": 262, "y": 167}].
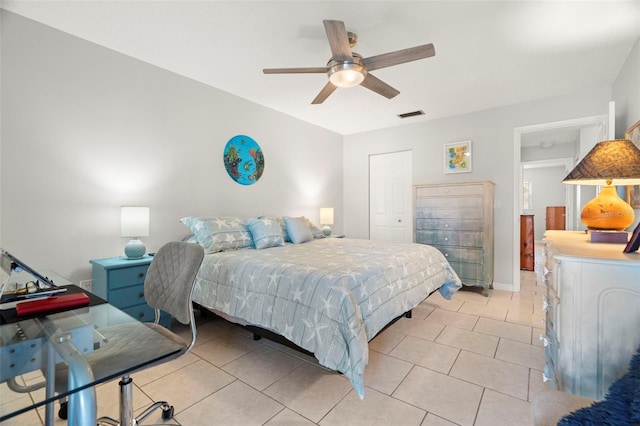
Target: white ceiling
[{"x": 488, "y": 54}]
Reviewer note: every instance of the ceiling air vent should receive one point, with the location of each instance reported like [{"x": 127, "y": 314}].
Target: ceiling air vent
[{"x": 411, "y": 114}]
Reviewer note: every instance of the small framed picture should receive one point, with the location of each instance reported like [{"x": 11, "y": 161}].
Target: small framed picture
[
  {"x": 457, "y": 157},
  {"x": 633, "y": 134},
  {"x": 633, "y": 191},
  {"x": 634, "y": 241},
  {"x": 633, "y": 196}
]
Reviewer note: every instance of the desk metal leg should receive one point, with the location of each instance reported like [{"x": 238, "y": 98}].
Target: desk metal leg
[
  {"x": 50, "y": 372},
  {"x": 82, "y": 404}
]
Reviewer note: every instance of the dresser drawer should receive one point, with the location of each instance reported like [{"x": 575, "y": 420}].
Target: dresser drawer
[
  {"x": 450, "y": 213},
  {"x": 449, "y": 202},
  {"x": 551, "y": 318},
  {"x": 450, "y": 225},
  {"x": 125, "y": 277},
  {"x": 461, "y": 254},
  {"x": 435, "y": 191},
  {"x": 128, "y": 296},
  {"x": 470, "y": 272},
  {"x": 450, "y": 238},
  {"x": 549, "y": 376}
]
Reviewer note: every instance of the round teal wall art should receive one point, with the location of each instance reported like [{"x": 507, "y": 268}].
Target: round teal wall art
[{"x": 243, "y": 159}]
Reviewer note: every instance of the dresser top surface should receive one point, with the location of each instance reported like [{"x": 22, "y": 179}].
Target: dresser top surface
[{"x": 577, "y": 244}]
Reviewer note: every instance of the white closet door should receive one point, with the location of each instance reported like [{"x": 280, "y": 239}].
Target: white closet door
[{"x": 390, "y": 205}]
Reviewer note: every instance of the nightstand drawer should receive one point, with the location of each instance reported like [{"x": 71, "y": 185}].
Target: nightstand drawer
[
  {"x": 129, "y": 296},
  {"x": 125, "y": 277},
  {"x": 143, "y": 312},
  {"x": 146, "y": 313}
]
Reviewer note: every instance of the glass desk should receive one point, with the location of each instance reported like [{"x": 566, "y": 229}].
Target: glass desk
[{"x": 91, "y": 345}]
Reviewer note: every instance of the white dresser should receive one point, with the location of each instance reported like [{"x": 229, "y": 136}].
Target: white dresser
[
  {"x": 457, "y": 219},
  {"x": 592, "y": 312}
]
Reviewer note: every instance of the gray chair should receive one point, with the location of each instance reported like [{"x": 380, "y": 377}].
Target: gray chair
[{"x": 168, "y": 286}]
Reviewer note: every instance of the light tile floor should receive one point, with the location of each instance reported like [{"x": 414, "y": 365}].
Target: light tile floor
[{"x": 473, "y": 360}]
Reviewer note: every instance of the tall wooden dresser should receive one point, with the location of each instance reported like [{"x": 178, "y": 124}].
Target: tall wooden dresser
[
  {"x": 457, "y": 219},
  {"x": 527, "y": 244},
  {"x": 592, "y": 312}
]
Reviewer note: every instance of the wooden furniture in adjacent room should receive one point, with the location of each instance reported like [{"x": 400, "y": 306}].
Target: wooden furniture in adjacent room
[
  {"x": 556, "y": 218},
  {"x": 527, "y": 244},
  {"x": 457, "y": 219},
  {"x": 592, "y": 315},
  {"x": 120, "y": 281}
]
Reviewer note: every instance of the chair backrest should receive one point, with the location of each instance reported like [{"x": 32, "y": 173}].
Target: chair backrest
[{"x": 171, "y": 277}]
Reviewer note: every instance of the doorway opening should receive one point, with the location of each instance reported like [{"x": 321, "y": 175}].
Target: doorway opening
[{"x": 589, "y": 130}]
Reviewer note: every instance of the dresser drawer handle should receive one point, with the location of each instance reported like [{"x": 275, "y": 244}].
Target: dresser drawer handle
[
  {"x": 140, "y": 314},
  {"x": 141, "y": 294},
  {"x": 446, "y": 225},
  {"x": 544, "y": 340},
  {"x": 140, "y": 274}
]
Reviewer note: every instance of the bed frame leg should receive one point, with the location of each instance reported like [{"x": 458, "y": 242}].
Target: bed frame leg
[
  {"x": 407, "y": 314},
  {"x": 256, "y": 337}
]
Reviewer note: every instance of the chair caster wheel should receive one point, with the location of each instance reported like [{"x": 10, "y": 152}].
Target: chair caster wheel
[
  {"x": 62, "y": 412},
  {"x": 167, "y": 412}
]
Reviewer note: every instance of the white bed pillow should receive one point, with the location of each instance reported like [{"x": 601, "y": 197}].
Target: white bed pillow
[
  {"x": 265, "y": 232},
  {"x": 216, "y": 234},
  {"x": 298, "y": 229}
]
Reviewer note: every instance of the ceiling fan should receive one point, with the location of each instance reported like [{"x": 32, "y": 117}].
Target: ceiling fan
[{"x": 349, "y": 69}]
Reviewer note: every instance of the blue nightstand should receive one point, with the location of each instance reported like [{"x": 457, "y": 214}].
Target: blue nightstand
[{"x": 120, "y": 281}]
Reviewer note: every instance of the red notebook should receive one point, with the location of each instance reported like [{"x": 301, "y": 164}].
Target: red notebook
[{"x": 50, "y": 304}]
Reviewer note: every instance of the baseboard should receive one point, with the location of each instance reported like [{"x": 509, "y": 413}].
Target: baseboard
[{"x": 502, "y": 286}]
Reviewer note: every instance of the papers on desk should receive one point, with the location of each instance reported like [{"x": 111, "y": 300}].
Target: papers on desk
[{"x": 21, "y": 282}]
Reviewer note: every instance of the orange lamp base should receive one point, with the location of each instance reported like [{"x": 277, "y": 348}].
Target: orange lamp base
[{"x": 607, "y": 211}]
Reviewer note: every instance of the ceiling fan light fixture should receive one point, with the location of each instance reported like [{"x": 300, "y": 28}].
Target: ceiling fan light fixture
[{"x": 347, "y": 74}]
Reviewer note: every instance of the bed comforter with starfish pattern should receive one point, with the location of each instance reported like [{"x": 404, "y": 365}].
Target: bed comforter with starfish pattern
[{"x": 329, "y": 296}]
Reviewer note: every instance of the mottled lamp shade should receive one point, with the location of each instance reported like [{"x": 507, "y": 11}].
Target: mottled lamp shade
[{"x": 615, "y": 161}]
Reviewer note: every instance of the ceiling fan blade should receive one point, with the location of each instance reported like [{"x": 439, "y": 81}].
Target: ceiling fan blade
[
  {"x": 338, "y": 40},
  {"x": 309, "y": 70},
  {"x": 328, "y": 89},
  {"x": 379, "y": 86},
  {"x": 399, "y": 57}
]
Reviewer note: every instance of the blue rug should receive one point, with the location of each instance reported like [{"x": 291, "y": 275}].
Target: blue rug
[{"x": 620, "y": 406}]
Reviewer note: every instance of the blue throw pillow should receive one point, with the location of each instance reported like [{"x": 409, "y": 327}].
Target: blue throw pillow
[
  {"x": 298, "y": 229},
  {"x": 266, "y": 232}
]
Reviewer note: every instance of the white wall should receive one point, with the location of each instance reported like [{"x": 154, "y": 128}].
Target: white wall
[
  {"x": 626, "y": 94},
  {"x": 492, "y": 133},
  {"x": 86, "y": 130}
]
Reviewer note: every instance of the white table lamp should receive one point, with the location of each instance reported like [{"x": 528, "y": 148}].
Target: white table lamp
[
  {"x": 134, "y": 223},
  {"x": 326, "y": 219}
]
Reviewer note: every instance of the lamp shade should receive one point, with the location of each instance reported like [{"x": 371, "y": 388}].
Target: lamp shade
[
  {"x": 134, "y": 221},
  {"x": 616, "y": 161},
  {"x": 326, "y": 215}
]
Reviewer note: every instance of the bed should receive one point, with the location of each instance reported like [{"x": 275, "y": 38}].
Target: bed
[{"x": 329, "y": 296}]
